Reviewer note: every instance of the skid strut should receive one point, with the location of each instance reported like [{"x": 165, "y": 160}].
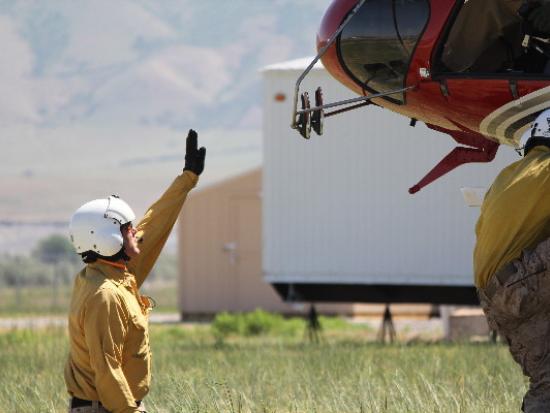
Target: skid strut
[{"x": 478, "y": 149}]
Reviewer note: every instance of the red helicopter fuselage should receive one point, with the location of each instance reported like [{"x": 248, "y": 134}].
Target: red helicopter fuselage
[{"x": 478, "y": 108}]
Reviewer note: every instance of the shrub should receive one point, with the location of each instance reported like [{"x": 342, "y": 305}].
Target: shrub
[
  {"x": 255, "y": 323},
  {"x": 333, "y": 323},
  {"x": 226, "y": 323},
  {"x": 261, "y": 322},
  {"x": 292, "y": 327}
]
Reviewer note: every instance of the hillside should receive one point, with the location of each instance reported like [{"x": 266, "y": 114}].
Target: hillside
[{"x": 98, "y": 97}]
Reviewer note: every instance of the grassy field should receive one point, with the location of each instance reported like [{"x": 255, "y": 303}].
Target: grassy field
[
  {"x": 196, "y": 372},
  {"x": 25, "y": 301}
]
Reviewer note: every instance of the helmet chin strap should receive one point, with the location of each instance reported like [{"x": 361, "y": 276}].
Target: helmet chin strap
[{"x": 125, "y": 256}]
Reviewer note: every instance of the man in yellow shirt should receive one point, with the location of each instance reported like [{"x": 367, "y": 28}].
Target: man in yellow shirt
[
  {"x": 109, "y": 365},
  {"x": 512, "y": 261}
]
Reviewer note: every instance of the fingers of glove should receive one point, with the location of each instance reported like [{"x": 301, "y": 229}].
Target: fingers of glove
[
  {"x": 202, "y": 153},
  {"x": 191, "y": 142}
]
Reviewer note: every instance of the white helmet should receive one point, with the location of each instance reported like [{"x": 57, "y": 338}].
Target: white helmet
[
  {"x": 540, "y": 128},
  {"x": 95, "y": 226}
]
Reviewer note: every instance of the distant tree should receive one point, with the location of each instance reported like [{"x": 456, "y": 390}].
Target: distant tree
[
  {"x": 54, "y": 249},
  {"x": 20, "y": 270}
]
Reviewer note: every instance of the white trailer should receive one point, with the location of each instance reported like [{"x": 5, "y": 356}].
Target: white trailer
[{"x": 338, "y": 221}]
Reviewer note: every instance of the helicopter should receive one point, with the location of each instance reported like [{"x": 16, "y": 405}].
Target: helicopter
[{"x": 395, "y": 54}]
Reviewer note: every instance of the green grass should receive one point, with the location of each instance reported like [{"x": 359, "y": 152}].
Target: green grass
[
  {"x": 195, "y": 372},
  {"x": 34, "y": 300}
]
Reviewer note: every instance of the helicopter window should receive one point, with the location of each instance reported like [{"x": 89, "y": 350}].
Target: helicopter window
[
  {"x": 376, "y": 46},
  {"x": 486, "y": 38}
]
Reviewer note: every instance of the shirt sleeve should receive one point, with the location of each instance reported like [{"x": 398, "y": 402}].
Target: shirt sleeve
[
  {"x": 155, "y": 226},
  {"x": 105, "y": 328}
]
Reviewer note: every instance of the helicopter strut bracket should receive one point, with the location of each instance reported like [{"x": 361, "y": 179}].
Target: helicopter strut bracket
[{"x": 478, "y": 149}]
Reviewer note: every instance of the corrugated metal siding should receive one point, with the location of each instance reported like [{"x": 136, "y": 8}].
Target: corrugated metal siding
[{"x": 337, "y": 210}]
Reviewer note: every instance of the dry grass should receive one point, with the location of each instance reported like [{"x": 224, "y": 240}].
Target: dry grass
[{"x": 194, "y": 373}]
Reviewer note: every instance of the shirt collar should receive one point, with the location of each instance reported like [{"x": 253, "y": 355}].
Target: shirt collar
[
  {"x": 118, "y": 265},
  {"x": 111, "y": 270}
]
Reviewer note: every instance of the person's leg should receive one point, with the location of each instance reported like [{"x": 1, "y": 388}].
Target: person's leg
[
  {"x": 530, "y": 345},
  {"x": 520, "y": 311}
]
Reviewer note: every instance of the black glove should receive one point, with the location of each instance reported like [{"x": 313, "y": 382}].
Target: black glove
[
  {"x": 539, "y": 18},
  {"x": 194, "y": 158}
]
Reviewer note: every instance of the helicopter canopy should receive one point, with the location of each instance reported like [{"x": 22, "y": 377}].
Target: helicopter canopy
[{"x": 376, "y": 46}]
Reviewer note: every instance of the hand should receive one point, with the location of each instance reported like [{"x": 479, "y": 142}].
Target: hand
[
  {"x": 194, "y": 158},
  {"x": 539, "y": 18}
]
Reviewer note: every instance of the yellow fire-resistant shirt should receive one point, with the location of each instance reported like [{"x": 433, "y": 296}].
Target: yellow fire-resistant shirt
[
  {"x": 110, "y": 358},
  {"x": 515, "y": 214}
]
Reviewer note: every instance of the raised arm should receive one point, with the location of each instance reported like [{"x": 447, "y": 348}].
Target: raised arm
[{"x": 154, "y": 228}]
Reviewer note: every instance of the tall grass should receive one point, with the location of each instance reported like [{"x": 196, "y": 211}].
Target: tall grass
[{"x": 193, "y": 372}]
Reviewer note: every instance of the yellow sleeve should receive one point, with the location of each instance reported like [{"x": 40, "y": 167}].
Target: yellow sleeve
[
  {"x": 155, "y": 226},
  {"x": 105, "y": 328}
]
